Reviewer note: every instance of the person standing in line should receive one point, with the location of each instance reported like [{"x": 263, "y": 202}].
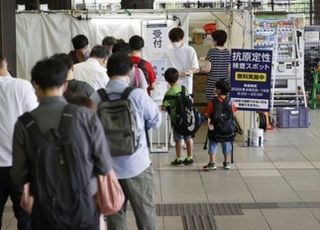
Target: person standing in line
[
  {"x": 220, "y": 112},
  {"x": 137, "y": 78},
  {"x": 80, "y": 45},
  {"x": 136, "y": 44},
  {"x": 109, "y": 42},
  {"x": 217, "y": 63},
  {"x": 172, "y": 77},
  {"x": 16, "y": 97},
  {"x": 76, "y": 87},
  {"x": 70, "y": 202},
  {"x": 93, "y": 71},
  {"x": 135, "y": 171}
]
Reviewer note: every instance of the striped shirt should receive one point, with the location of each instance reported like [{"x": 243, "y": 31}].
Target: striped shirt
[{"x": 220, "y": 69}]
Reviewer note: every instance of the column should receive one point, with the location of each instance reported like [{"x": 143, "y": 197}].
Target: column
[{"x": 8, "y": 32}]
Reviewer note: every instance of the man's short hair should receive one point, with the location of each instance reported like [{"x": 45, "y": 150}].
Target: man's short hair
[
  {"x": 223, "y": 86},
  {"x": 99, "y": 52},
  {"x": 121, "y": 47},
  {"x": 49, "y": 73},
  {"x": 176, "y": 34},
  {"x": 120, "y": 40},
  {"x": 119, "y": 64},
  {"x": 109, "y": 41},
  {"x": 220, "y": 37},
  {"x": 80, "y": 41},
  {"x": 65, "y": 58},
  {"x": 171, "y": 75},
  {"x": 136, "y": 42}
]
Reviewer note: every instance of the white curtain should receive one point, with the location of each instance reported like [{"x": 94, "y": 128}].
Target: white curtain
[{"x": 42, "y": 35}]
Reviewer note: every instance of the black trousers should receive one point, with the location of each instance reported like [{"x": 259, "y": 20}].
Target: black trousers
[{"x": 8, "y": 189}]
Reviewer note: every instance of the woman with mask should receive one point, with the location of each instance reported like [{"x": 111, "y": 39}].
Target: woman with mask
[{"x": 183, "y": 58}]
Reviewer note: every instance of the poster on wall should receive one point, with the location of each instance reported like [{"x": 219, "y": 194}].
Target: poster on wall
[
  {"x": 159, "y": 67},
  {"x": 250, "y": 79}
]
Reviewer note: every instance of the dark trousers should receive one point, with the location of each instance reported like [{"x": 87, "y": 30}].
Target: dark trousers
[{"x": 8, "y": 189}]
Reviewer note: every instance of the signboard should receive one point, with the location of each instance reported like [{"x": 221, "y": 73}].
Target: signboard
[
  {"x": 157, "y": 37},
  {"x": 250, "y": 79}
]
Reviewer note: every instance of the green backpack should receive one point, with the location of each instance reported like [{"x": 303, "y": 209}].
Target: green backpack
[{"x": 119, "y": 123}]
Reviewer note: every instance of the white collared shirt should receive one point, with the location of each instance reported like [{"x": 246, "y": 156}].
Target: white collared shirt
[
  {"x": 17, "y": 96},
  {"x": 183, "y": 58},
  {"x": 91, "y": 72}
]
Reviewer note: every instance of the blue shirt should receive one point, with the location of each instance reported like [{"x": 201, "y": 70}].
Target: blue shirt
[{"x": 146, "y": 113}]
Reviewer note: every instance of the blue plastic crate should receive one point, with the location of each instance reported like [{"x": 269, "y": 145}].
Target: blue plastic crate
[{"x": 297, "y": 117}]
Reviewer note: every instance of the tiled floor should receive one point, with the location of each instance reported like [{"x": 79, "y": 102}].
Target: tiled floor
[{"x": 277, "y": 186}]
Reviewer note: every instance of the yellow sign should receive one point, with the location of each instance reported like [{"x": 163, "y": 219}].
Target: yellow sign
[{"x": 251, "y": 77}]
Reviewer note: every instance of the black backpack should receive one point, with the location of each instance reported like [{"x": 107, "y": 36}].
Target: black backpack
[
  {"x": 59, "y": 181},
  {"x": 119, "y": 123},
  {"x": 223, "y": 121},
  {"x": 187, "y": 119}
]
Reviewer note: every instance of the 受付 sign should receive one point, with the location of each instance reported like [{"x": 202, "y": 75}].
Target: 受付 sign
[{"x": 157, "y": 37}]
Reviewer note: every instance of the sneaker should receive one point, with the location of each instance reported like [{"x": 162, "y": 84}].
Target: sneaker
[
  {"x": 177, "y": 162},
  {"x": 210, "y": 166},
  {"x": 188, "y": 162},
  {"x": 226, "y": 165}
]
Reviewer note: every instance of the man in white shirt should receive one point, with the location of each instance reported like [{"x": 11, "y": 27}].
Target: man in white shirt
[
  {"x": 183, "y": 58},
  {"x": 16, "y": 97},
  {"x": 93, "y": 71}
]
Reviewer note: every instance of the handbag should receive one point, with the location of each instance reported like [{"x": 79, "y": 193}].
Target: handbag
[{"x": 110, "y": 197}]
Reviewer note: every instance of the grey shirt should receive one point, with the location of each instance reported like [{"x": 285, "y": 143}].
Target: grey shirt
[{"x": 86, "y": 136}]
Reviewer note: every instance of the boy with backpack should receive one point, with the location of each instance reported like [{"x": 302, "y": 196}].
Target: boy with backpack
[
  {"x": 185, "y": 119},
  {"x": 220, "y": 113}
]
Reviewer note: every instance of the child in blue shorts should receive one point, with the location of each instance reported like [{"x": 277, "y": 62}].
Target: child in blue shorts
[
  {"x": 221, "y": 129},
  {"x": 172, "y": 75}
]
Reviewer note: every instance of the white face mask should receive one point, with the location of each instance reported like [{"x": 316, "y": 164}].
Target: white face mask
[{"x": 177, "y": 44}]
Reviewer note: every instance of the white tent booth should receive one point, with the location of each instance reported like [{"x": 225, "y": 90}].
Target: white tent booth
[{"x": 41, "y": 34}]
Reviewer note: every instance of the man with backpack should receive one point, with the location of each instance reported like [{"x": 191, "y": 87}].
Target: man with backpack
[
  {"x": 59, "y": 149},
  {"x": 220, "y": 113},
  {"x": 17, "y": 96},
  {"x": 185, "y": 119},
  {"x": 136, "y": 44},
  {"x": 126, "y": 114}
]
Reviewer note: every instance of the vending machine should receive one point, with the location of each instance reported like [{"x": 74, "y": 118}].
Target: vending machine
[{"x": 283, "y": 34}]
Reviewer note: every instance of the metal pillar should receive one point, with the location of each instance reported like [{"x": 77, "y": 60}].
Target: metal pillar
[
  {"x": 8, "y": 33},
  {"x": 316, "y": 10}
]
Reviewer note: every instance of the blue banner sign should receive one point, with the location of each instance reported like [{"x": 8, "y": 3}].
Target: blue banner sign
[{"x": 250, "y": 79}]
